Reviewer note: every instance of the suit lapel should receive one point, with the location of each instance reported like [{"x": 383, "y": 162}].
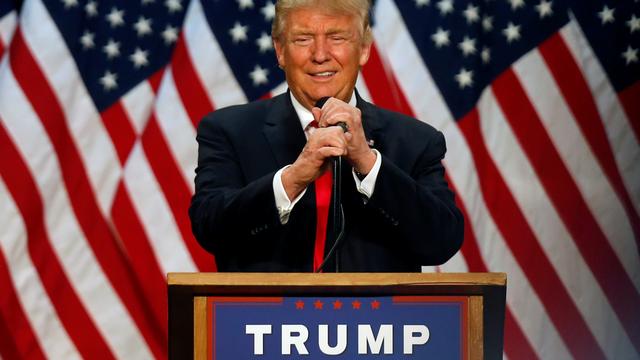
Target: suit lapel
[{"x": 283, "y": 131}]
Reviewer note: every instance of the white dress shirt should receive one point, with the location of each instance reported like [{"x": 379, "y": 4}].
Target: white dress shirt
[{"x": 365, "y": 186}]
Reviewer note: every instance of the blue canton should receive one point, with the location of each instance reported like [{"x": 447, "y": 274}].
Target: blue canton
[{"x": 117, "y": 44}]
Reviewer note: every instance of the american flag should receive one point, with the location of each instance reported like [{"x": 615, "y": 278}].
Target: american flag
[{"x": 539, "y": 101}]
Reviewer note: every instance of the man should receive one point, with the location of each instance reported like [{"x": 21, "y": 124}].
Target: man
[{"x": 261, "y": 186}]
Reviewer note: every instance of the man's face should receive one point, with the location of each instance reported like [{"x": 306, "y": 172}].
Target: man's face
[{"x": 321, "y": 54}]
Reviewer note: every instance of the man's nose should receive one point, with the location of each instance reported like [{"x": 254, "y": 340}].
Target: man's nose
[{"x": 320, "y": 51}]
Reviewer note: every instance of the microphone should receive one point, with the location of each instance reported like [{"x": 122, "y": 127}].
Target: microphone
[
  {"x": 320, "y": 103},
  {"x": 336, "y": 199}
]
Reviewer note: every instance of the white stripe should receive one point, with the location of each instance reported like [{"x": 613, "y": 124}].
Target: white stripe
[
  {"x": 90, "y": 137},
  {"x": 67, "y": 239},
  {"x": 417, "y": 83},
  {"x": 545, "y": 222},
  {"x": 155, "y": 215},
  {"x": 209, "y": 61},
  {"x": 7, "y": 27},
  {"x": 363, "y": 90},
  {"x": 280, "y": 89},
  {"x": 456, "y": 264},
  {"x": 580, "y": 161},
  {"x": 137, "y": 104},
  {"x": 40, "y": 313},
  {"x": 621, "y": 136},
  {"x": 177, "y": 128}
]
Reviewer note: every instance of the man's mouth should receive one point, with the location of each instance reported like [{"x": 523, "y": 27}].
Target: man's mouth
[{"x": 324, "y": 74}]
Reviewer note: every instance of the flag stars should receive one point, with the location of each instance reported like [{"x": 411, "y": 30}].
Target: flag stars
[
  {"x": 606, "y": 15},
  {"x": 485, "y": 55},
  {"x": 239, "y": 32},
  {"x": 115, "y": 17},
  {"x": 375, "y": 305},
  {"x": 421, "y": 3},
  {"x": 146, "y": 2},
  {"x": 109, "y": 81},
  {"x": 487, "y": 23},
  {"x": 337, "y": 305},
  {"x": 70, "y": 3},
  {"x": 173, "y": 6},
  {"x": 471, "y": 14},
  {"x": 112, "y": 49},
  {"x": 544, "y": 9},
  {"x": 355, "y": 304},
  {"x": 170, "y": 35},
  {"x": 259, "y": 75},
  {"x": 445, "y": 6},
  {"x": 269, "y": 11},
  {"x": 318, "y": 305},
  {"x": 464, "y": 78},
  {"x": 630, "y": 55},
  {"x": 440, "y": 38},
  {"x": 87, "y": 40},
  {"x": 299, "y": 305},
  {"x": 245, "y": 4},
  {"x": 467, "y": 46},
  {"x": 264, "y": 43},
  {"x": 91, "y": 8},
  {"x": 633, "y": 24},
  {"x": 139, "y": 58},
  {"x": 512, "y": 32},
  {"x": 516, "y": 4},
  {"x": 143, "y": 26}
]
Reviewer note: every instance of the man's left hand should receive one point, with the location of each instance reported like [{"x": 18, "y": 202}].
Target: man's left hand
[{"x": 334, "y": 111}]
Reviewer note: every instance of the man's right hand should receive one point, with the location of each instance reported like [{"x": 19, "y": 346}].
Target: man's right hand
[{"x": 313, "y": 161}]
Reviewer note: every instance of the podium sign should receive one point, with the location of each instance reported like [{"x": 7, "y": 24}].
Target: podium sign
[{"x": 336, "y": 316}]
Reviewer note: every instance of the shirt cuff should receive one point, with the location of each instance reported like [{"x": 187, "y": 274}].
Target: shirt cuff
[
  {"x": 283, "y": 204},
  {"x": 367, "y": 185}
]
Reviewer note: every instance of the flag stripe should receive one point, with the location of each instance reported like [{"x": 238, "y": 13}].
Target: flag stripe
[
  {"x": 175, "y": 189},
  {"x": 382, "y": 84},
  {"x": 26, "y": 196},
  {"x": 522, "y": 241},
  {"x": 147, "y": 270},
  {"x": 120, "y": 130},
  {"x": 629, "y": 99},
  {"x": 569, "y": 203},
  {"x": 516, "y": 345},
  {"x": 626, "y": 147},
  {"x": 580, "y": 100},
  {"x": 192, "y": 94},
  {"x": 555, "y": 240},
  {"x": 94, "y": 226}
]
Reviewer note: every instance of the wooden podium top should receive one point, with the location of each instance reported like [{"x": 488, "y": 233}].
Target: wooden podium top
[{"x": 335, "y": 279}]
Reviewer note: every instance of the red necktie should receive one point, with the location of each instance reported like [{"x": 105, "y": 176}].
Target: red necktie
[{"x": 323, "y": 201}]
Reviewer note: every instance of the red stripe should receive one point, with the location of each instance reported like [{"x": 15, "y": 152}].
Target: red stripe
[
  {"x": 122, "y": 133},
  {"x": 97, "y": 232},
  {"x": 568, "y": 201},
  {"x": 526, "y": 249},
  {"x": 26, "y": 195},
  {"x": 629, "y": 99},
  {"x": 382, "y": 84},
  {"x": 188, "y": 85},
  {"x": 149, "y": 276},
  {"x": 17, "y": 338},
  {"x": 175, "y": 190},
  {"x": 579, "y": 98},
  {"x": 516, "y": 344}
]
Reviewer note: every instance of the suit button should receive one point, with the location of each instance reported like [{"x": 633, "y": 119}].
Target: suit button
[
  {"x": 395, "y": 222},
  {"x": 253, "y": 231}
]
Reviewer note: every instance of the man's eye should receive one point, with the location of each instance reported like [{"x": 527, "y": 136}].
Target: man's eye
[{"x": 301, "y": 41}]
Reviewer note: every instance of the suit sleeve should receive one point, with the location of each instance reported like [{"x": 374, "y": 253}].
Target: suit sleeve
[
  {"x": 419, "y": 207},
  {"x": 226, "y": 209}
]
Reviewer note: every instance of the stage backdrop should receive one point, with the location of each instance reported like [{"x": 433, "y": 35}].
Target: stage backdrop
[{"x": 539, "y": 101}]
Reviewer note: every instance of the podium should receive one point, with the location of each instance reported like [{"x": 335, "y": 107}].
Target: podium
[{"x": 335, "y": 316}]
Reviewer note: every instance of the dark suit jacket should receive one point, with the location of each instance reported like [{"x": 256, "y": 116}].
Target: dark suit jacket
[{"x": 411, "y": 219}]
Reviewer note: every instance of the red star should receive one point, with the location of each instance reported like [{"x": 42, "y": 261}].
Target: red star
[
  {"x": 299, "y": 305},
  {"x": 337, "y": 305},
  {"x": 356, "y": 304},
  {"x": 375, "y": 305},
  {"x": 318, "y": 304}
]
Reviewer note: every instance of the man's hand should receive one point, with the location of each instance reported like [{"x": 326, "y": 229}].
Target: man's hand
[
  {"x": 312, "y": 162},
  {"x": 359, "y": 155}
]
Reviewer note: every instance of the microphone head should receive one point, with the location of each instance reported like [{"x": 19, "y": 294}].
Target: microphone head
[{"x": 321, "y": 101}]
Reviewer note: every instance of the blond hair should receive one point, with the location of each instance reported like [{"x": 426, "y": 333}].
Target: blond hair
[{"x": 359, "y": 8}]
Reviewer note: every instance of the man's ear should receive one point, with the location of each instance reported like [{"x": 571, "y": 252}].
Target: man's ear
[
  {"x": 277, "y": 45},
  {"x": 365, "y": 52}
]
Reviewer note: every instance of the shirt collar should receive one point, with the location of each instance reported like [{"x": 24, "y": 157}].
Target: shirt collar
[{"x": 305, "y": 116}]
